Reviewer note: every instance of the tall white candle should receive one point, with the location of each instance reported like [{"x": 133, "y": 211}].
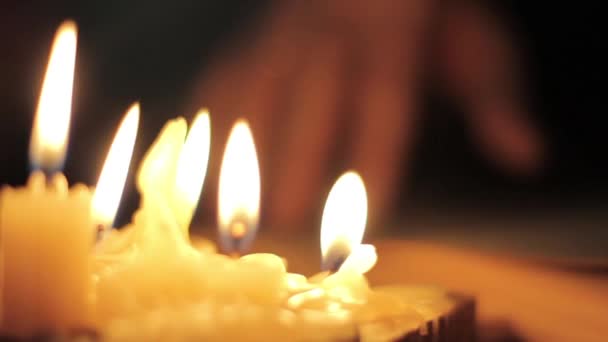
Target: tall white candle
[{"x": 46, "y": 228}]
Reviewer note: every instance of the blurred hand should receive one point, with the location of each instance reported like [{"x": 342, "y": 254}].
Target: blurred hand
[{"x": 330, "y": 86}]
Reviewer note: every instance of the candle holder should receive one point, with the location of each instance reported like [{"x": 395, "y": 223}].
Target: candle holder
[{"x": 456, "y": 325}]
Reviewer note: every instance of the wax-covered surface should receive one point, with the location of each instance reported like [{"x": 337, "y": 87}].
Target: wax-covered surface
[{"x": 144, "y": 290}]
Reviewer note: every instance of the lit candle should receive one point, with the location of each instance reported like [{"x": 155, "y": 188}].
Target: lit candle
[
  {"x": 384, "y": 313},
  {"x": 342, "y": 229},
  {"x": 47, "y": 227},
  {"x": 114, "y": 172},
  {"x": 343, "y": 226},
  {"x": 132, "y": 263},
  {"x": 191, "y": 170},
  {"x": 260, "y": 275},
  {"x": 239, "y": 191}
]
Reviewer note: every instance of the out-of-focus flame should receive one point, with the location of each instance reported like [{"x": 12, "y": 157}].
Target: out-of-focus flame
[
  {"x": 343, "y": 226},
  {"x": 48, "y": 143},
  {"x": 115, "y": 169},
  {"x": 239, "y": 190},
  {"x": 192, "y": 166}
]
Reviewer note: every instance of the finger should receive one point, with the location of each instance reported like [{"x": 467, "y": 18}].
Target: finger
[
  {"x": 308, "y": 137},
  {"x": 481, "y": 68},
  {"x": 384, "y": 130},
  {"x": 272, "y": 68},
  {"x": 244, "y": 81},
  {"x": 507, "y": 136},
  {"x": 215, "y": 89}
]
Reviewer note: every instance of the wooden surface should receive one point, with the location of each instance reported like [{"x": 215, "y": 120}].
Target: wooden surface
[{"x": 517, "y": 299}]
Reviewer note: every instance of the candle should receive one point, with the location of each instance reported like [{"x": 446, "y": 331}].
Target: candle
[
  {"x": 342, "y": 229},
  {"x": 157, "y": 239},
  {"x": 132, "y": 264},
  {"x": 381, "y": 314},
  {"x": 46, "y": 226}
]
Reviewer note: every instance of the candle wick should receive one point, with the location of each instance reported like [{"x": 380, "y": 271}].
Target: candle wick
[
  {"x": 236, "y": 238},
  {"x": 336, "y": 256},
  {"x": 238, "y": 230},
  {"x": 333, "y": 265},
  {"x": 48, "y": 177},
  {"x": 99, "y": 232},
  {"x": 234, "y": 255}
]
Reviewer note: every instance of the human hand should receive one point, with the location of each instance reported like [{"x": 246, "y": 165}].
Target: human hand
[{"x": 334, "y": 86}]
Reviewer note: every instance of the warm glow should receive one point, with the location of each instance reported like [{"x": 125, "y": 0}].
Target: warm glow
[
  {"x": 193, "y": 159},
  {"x": 343, "y": 225},
  {"x": 114, "y": 172},
  {"x": 239, "y": 190},
  {"x": 50, "y": 133}
]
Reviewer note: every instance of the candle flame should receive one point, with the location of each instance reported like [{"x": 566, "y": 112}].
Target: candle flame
[
  {"x": 192, "y": 163},
  {"x": 48, "y": 143},
  {"x": 115, "y": 169},
  {"x": 239, "y": 190},
  {"x": 343, "y": 226}
]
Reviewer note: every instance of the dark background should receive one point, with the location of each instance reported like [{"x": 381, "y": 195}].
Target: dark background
[{"x": 151, "y": 51}]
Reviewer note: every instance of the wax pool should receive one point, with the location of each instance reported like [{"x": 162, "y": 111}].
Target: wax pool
[{"x": 195, "y": 293}]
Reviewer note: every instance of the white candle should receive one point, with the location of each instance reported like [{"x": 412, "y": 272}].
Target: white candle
[
  {"x": 46, "y": 227},
  {"x": 47, "y": 234}
]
